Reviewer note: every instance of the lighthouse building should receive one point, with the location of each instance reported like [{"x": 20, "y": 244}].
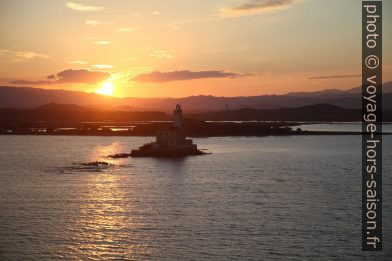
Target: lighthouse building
[
  {"x": 174, "y": 135},
  {"x": 170, "y": 141}
]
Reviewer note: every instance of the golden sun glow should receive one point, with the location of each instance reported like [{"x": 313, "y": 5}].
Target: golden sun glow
[{"x": 107, "y": 88}]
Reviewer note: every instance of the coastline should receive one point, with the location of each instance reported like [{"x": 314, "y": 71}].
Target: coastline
[
  {"x": 192, "y": 128},
  {"x": 119, "y": 134}
]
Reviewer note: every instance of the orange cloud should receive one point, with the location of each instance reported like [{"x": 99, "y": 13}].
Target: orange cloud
[
  {"x": 102, "y": 66},
  {"x": 83, "y": 8},
  {"x": 184, "y": 75},
  {"x": 257, "y": 7},
  {"x": 69, "y": 76}
]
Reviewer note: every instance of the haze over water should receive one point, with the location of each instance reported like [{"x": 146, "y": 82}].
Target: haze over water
[{"x": 253, "y": 198}]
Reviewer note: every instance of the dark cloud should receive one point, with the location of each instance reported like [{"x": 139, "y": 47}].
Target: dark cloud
[
  {"x": 184, "y": 75},
  {"x": 81, "y": 76},
  {"x": 70, "y": 76},
  {"x": 258, "y": 7},
  {"x": 334, "y": 76}
]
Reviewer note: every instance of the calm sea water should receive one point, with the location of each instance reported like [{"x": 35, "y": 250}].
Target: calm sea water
[
  {"x": 345, "y": 127},
  {"x": 253, "y": 198}
]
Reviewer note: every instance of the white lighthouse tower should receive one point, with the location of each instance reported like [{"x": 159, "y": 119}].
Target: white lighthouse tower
[
  {"x": 170, "y": 141},
  {"x": 177, "y": 116}
]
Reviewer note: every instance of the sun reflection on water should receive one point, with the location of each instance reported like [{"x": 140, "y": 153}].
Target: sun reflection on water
[
  {"x": 100, "y": 152},
  {"x": 107, "y": 214}
]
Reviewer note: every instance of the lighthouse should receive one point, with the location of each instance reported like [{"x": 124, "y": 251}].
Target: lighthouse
[
  {"x": 177, "y": 116},
  {"x": 170, "y": 141}
]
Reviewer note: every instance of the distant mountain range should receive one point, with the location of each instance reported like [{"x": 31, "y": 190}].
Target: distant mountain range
[
  {"x": 70, "y": 115},
  {"x": 312, "y": 113},
  {"x": 26, "y": 97}
]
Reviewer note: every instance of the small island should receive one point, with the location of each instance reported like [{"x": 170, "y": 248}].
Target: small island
[{"x": 170, "y": 141}]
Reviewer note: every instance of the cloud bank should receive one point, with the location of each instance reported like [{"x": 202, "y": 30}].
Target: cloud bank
[
  {"x": 184, "y": 75},
  {"x": 69, "y": 76},
  {"x": 257, "y": 7}
]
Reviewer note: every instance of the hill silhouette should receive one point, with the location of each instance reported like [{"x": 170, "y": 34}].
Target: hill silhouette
[
  {"x": 70, "y": 115},
  {"x": 28, "y": 98},
  {"x": 317, "y": 112}
]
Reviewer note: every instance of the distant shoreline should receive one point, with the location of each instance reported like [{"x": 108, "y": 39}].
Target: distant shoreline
[
  {"x": 192, "y": 128},
  {"x": 119, "y": 134}
]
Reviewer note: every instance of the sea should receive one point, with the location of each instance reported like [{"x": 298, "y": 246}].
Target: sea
[
  {"x": 340, "y": 127},
  {"x": 252, "y": 198}
]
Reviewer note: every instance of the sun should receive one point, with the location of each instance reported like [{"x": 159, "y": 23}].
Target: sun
[{"x": 107, "y": 88}]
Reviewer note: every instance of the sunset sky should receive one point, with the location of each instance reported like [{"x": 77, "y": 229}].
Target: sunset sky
[{"x": 177, "y": 48}]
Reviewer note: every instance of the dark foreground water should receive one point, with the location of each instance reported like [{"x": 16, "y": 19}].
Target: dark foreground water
[{"x": 271, "y": 198}]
